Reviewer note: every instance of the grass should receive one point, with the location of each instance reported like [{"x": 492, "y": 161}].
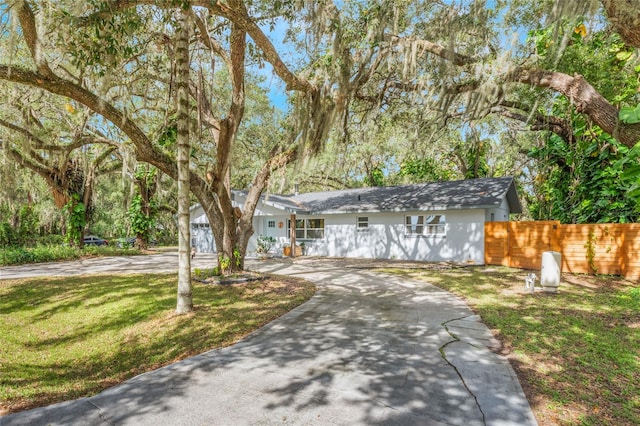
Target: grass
[
  {"x": 65, "y": 338},
  {"x": 577, "y": 352},
  {"x": 52, "y": 253}
]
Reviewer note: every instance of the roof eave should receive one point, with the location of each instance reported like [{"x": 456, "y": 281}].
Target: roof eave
[{"x": 403, "y": 210}]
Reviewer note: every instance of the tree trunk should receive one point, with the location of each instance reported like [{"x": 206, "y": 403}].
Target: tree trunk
[
  {"x": 230, "y": 259},
  {"x": 185, "y": 299},
  {"x": 624, "y": 15}
]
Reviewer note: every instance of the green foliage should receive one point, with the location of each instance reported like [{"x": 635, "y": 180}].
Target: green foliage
[
  {"x": 76, "y": 219},
  {"x": 601, "y": 57},
  {"x": 28, "y": 223},
  {"x": 203, "y": 274},
  {"x": 631, "y": 298},
  {"x": 586, "y": 183},
  {"x": 224, "y": 262},
  {"x": 104, "y": 43},
  {"x": 27, "y": 231},
  {"x": 169, "y": 137},
  {"x": 474, "y": 154},
  {"x": 8, "y": 236},
  {"x": 593, "y": 178},
  {"x": 375, "y": 177},
  {"x": 265, "y": 244},
  {"x": 141, "y": 222},
  {"x": 237, "y": 257},
  {"x": 52, "y": 253},
  {"x": 630, "y": 115},
  {"x": 16, "y": 256},
  {"x": 425, "y": 170},
  {"x": 590, "y": 245},
  {"x": 50, "y": 240},
  {"x": 630, "y": 166}
]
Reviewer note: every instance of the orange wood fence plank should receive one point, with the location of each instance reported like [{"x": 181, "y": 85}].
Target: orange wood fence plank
[{"x": 616, "y": 247}]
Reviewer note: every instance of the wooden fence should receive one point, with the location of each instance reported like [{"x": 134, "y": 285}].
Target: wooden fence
[{"x": 602, "y": 248}]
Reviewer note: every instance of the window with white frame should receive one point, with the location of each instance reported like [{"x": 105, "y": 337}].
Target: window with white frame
[
  {"x": 413, "y": 225},
  {"x": 308, "y": 229},
  {"x": 362, "y": 223},
  {"x": 435, "y": 224},
  {"x": 271, "y": 224},
  {"x": 425, "y": 225},
  {"x": 196, "y": 226}
]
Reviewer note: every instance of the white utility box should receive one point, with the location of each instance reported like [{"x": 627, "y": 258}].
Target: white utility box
[{"x": 550, "y": 271}]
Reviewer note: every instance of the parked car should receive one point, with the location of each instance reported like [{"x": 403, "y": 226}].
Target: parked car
[
  {"x": 131, "y": 242},
  {"x": 92, "y": 240}
]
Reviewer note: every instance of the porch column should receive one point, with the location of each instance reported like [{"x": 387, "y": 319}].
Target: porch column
[{"x": 293, "y": 235}]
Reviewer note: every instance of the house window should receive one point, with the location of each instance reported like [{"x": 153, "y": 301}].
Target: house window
[
  {"x": 493, "y": 217},
  {"x": 308, "y": 229},
  {"x": 271, "y": 224},
  {"x": 425, "y": 225},
  {"x": 414, "y": 225},
  {"x": 436, "y": 224},
  {"x": 362, "y": 223}
]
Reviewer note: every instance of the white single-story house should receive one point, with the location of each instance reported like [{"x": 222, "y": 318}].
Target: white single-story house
[{"x": 440, "y": 221}]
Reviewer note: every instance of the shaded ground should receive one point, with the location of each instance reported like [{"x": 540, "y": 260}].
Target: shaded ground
[
  {"x": 368, "y": 349},
  {"x": 575, "y": 352}
]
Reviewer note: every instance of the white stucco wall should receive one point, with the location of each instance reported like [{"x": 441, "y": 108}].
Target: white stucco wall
[
  {"x": 385, "y": 238},
  {"x": 202, "y": 235},
  {"x": 500, "y": 214}
]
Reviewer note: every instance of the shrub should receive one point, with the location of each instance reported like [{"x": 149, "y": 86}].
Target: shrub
[
  {"x": 265, "y": 243},
  {"x": 15, "y": 256},
  {"x": 8, "y": 235},
  {"x": 50, "y": 240},
  {"x": 51, "y": 253}
]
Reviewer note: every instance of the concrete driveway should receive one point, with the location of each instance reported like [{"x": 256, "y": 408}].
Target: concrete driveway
[{"x": 367, "y": 349}]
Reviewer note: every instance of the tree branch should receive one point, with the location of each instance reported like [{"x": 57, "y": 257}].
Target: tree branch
[
  {"x": 28, "y": 24},
  {"x": 553, "y": 124},
  {"x": 584, "y": 97},
  {"x": 209, "y": 42},
  {"x": 624, "y": 15},
  {"x": 434, "y": 48},
  {"x": 237, "y": 15}
]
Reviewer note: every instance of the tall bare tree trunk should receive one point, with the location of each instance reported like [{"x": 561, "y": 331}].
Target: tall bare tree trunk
[{"x": 185, "y": 299}]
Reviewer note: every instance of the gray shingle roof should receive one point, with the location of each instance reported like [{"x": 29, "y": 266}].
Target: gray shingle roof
[{"x": 462, "y": 194}]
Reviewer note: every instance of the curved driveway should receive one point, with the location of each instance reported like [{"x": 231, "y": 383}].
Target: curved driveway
[{"x": 367, "y": 349}]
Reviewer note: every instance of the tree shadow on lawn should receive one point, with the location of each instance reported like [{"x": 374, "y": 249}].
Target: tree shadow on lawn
[
  {"x": 355, "y": 353},
  {"x": 84, "y": 345},
  {"x": 575, "y": 351}
]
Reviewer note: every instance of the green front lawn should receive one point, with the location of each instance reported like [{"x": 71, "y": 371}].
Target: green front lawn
[
  {"x": 577, "y": 353},
  {"x": 64, "y": 338}
]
